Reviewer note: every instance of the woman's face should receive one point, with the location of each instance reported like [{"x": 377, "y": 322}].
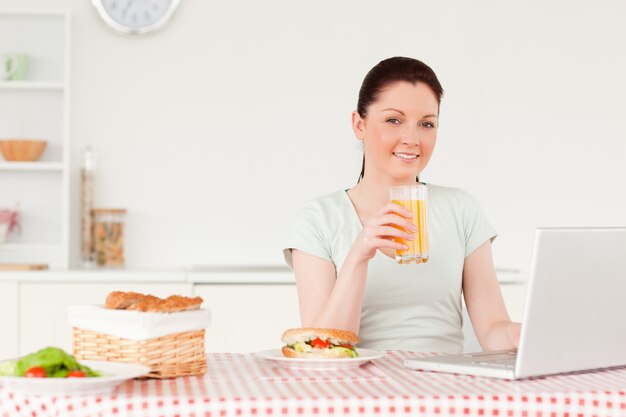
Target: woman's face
[{"x": 399, "y": 131}]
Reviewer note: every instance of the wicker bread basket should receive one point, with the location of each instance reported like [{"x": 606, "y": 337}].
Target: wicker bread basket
[{"x": 170, "y": 356}]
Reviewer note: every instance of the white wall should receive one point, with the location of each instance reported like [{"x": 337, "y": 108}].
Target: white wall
[{"x": 216, "y": 130}]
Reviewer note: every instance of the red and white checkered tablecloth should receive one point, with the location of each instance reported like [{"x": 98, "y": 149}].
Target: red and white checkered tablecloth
[{"x": 245, "y": 385}]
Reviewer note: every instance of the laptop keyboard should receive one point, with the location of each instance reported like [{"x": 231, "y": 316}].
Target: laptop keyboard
[{"x": 497, "y": 360}]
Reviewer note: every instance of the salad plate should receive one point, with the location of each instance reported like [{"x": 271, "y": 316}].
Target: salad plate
[
  {"x": 276, "y": 356},
  {"x": 112, "y": 374}
]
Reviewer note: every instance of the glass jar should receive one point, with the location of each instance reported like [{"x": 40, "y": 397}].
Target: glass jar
[
  {"x": 109, "y": 237},
  {"x": 87, "y": 175}
]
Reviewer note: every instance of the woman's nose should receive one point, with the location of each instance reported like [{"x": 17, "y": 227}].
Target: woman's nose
[{"x": 411, "y": 137}]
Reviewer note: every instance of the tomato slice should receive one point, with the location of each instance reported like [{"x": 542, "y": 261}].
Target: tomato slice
[
  {"x": 347, "y": 346},
  {"x": 35, "y": 372},
  {"x": 319, "y": 343},
  {"x": 76, "y": 374}
]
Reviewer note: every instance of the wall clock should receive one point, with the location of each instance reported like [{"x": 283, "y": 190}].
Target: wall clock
[{"x": 136, "y": 17}]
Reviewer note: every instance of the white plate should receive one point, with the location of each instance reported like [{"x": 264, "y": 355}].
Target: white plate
[
  {"x": 113, "y": 373},
  {"x": 365, "y": 355}
]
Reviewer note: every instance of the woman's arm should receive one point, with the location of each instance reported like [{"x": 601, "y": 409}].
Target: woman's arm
[
  {"x": 327, "y": 300},
  {"x": 331, "y": 300},
  {"x": 485, "y": 305}
]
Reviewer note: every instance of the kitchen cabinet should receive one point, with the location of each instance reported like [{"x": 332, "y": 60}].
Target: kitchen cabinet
[
  {"x": 37, "y": 108},
  {"x": 8, "y": 319},
  {"x": 248, "y": 318},
  {"x": 42, "y": 307},
  {"x": 247, "y": 314}
]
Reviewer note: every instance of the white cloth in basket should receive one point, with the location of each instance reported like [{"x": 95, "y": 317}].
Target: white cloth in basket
[{"x": 136, "y": 325}]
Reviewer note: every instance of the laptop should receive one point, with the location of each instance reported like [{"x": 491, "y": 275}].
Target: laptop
[{"x": 574, "y": 315}]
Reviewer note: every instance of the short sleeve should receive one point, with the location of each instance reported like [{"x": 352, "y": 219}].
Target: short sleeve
[
  {"x": 476, "y": 227},
  {"x": 307, "y": 234}
]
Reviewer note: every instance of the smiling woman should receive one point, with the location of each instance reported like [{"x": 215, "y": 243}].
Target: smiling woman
[
  {"x": 397, "y": 115},
  {"x": 341, "y": 245},
  {"x": 413, "y": 74}
]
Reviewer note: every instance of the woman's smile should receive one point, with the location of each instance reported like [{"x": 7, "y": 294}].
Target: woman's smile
[{"x": 406, "y": 156}]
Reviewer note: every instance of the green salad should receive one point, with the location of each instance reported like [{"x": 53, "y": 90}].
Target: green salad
[{"x": 49, "y": 362}]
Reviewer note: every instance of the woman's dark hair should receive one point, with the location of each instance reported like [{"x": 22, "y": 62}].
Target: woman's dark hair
[{"x": 389, "y": 71}]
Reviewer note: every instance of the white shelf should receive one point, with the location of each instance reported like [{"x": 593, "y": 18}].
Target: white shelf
[
  {"x": 30, "y": 246},
  {"x": 42, "y": 187},
  {"x": 31, "y": 166},
  {"x": 32, "y": 85},
  {"x": 29, "y": 12}
]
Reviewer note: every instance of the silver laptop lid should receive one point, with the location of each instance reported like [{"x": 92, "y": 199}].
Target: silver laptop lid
[{"x": 575, "y": 310}]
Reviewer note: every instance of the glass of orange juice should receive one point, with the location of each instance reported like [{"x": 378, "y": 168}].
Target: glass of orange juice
[{"x": 413, "y": 197}]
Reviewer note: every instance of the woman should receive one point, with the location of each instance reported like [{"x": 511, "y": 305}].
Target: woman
[{"x": 341, "y": 245}]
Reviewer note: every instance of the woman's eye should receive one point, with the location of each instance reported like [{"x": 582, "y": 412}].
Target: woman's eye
[
  {"x": 428, "y": 125},
  {"x": 393, "y": 121}
]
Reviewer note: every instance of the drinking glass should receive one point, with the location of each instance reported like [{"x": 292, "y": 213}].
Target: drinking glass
[{"x": 414, "y": 198}]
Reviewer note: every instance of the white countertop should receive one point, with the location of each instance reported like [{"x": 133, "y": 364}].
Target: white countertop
[
  {"x": 209, "y": 274},
  {"x": 511, "y": 276},
  {"x": 96, "y": 275},
  {"x": 241, "y": 274},
  {"x": 213, "y": 274}
]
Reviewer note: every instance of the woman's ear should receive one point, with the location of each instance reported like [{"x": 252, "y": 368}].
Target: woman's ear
[{"x": 358, "y": 125}]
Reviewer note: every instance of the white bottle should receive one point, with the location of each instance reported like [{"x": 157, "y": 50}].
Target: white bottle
[{"x": 87, "y": 177}]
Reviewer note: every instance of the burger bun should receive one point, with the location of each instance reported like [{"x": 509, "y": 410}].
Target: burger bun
[{"x": 334, "y": 336}]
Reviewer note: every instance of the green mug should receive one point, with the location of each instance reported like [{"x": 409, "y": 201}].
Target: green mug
[{"x": 13, "y": 66}]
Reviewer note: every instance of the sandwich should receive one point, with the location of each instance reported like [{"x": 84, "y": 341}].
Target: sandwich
[{"x": 314, "y": 343}]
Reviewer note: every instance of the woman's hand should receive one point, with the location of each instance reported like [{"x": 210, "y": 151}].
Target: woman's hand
[
  {"x": 392, "y": 221},
  {"x": 512, "y": 332}
]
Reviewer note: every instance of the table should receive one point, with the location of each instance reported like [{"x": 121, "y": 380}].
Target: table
[{"x": 245, "y": 385}]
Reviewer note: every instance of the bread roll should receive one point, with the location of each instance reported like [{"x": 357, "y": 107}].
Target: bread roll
[{"x": 119, "y": 300}]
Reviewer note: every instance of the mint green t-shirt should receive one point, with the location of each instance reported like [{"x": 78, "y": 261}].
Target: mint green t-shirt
[{"x": 414, "y": 307}]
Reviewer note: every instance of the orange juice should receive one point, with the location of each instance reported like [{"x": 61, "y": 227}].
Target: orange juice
[{"x": 414, "y": 199}]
